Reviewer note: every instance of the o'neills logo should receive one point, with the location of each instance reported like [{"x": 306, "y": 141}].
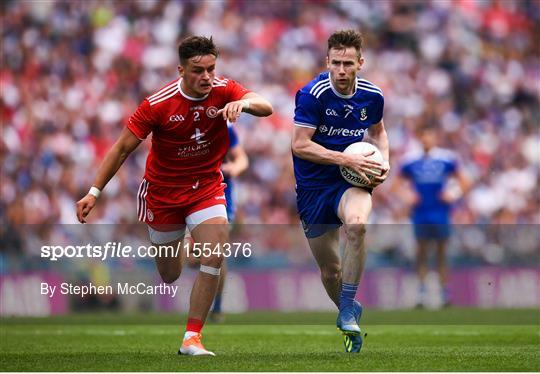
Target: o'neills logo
[
  {"x": 354, "y": 178},
  {"x": 212, "y": 112},
  {"x": 150, "y": 215}
]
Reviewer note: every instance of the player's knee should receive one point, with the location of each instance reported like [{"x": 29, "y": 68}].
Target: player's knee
[
  {"x": 214, "y": 261},
  {"x": 331, "y": 274},
  {"x": 192, "y": 261}
]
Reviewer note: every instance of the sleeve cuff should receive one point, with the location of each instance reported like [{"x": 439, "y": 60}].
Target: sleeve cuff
[
  {"x": 135, "y": 132},
  {"x": 303, "y": 124}
]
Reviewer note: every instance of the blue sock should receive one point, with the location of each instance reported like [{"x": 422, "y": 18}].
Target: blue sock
[
  {"x": 217, "y": 304},
  {"x": 348, "y": 292}
]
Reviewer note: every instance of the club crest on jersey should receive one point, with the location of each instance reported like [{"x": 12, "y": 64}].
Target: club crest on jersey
[
  {"x": 211, "y": 112},
  {"x": 363, "y": 114}
]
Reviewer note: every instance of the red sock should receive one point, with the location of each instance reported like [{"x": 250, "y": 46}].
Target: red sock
[{"x": 194, "y": 325}]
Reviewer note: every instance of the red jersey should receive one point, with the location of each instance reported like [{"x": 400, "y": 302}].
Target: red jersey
[{"x": 189, "y": 139}]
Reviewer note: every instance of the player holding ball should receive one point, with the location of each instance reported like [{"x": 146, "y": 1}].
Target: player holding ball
[{"x": 333, "y": 111}]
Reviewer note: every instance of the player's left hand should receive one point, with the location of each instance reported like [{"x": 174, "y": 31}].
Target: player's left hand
[
  {"x": 378, "y": 179},
  {"x": 232, "y": 110}
]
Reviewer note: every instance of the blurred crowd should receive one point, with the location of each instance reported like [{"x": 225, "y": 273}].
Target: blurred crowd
[{"x": 72, "y": 72}]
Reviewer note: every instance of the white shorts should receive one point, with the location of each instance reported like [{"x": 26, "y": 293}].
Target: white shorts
[{"x": 192, "y": 221}]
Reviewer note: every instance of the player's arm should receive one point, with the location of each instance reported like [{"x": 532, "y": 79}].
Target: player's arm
[
  {"x": 251, "y": 103},
  {"x": 450, "y": 195},
  {"x": 307, "y": 149},
  {"x": 115, "y": 157},
  {"x": 378, "y": 136},
  {"x": 237, "y": 162}
]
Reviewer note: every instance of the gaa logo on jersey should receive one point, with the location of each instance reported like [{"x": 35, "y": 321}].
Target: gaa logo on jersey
[
  {"x": 212, "y": 112},
  {"x": 176, "y": 118},
  {"x": 150, "y": 215}
]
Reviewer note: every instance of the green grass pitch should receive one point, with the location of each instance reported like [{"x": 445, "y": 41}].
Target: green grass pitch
[{"x": 448, "y": 340}]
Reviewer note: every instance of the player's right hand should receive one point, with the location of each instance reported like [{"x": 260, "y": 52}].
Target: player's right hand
[
  {"x": 362, "y": 164},
  {"x": 84, "y": 206},
  {"x": 231, "y": 111},
  {"x": 378, "y": 179}
]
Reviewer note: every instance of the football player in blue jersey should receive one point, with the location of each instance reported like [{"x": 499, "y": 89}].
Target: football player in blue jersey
[
  {"x": 428, "y": 172},
  {"x": 334, "y": 110},
  {"x": 235, "y": 163}
]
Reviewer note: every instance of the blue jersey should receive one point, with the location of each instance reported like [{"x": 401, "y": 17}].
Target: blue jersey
[
  {"x": 339, "y": 120},
  {"x": 429, "y": 173},
  {"x": 229, "y": 190}
]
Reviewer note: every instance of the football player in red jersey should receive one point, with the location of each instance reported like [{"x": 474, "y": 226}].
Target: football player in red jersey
[{"x": 183, "y": 185}]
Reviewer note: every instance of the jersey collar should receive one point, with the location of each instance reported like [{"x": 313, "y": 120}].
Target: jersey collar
[{"x": 187, "y": 96}]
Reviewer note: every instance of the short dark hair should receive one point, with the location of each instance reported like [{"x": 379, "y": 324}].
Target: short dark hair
[
  {"x": 344, "y": 39},
  {"x": 196, "y": 46}
]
